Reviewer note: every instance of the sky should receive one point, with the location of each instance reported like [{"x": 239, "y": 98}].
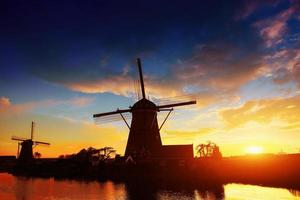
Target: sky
[{"x": 63, "y": 61}]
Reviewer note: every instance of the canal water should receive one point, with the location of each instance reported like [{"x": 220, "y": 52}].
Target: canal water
[{"x": 21, "y": 188}]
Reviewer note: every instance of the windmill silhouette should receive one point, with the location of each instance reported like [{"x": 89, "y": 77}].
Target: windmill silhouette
[
  {"x": 144, "y": 136},
  {"x": 26, "y": 153}
]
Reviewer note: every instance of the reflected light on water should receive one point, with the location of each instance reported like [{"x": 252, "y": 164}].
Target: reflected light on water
[
  {"x": 38, "y": 189},
  {"x": 21, "y": 188},
  {"x": 251, "y": 192}
]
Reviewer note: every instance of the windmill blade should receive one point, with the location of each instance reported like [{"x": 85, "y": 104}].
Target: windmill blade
[
  {"x": 32, "y": 129},
  {"x": 43, "y": 143},
  {"x": 172, "y": 100},
  {"x": 107, "y": 120},
  {"x": 136, "y": 85},
  {"x": 177, "y": 104},
  {"x": 111, "y": 113},
  {"x": 18, "y": 138},
  {"x": 111, "y": 118},
  {"x": 139, "y": 64}
]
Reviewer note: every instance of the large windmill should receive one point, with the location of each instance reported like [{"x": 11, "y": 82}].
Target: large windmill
[
  {"x": 144, "y": 136},
  {"x": 26, "y": 145}
]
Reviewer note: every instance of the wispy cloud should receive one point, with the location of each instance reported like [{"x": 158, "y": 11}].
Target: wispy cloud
[
  {"x": 118, "y": 84},
  {"x": 211, "y": 73},
  {"x": 4, "y": 102},
  {"x": 247, "y": 8},
  {"x": 273, "y": 29},
  {"x": 6, "y": 107},
  {"x": 222, "y": 55},
  {"x": 219, "y": 66},
  {"x": 25, "y": 107},
  {"x": 263, "y": 111},
  {"x": 79, "y": 101},
  {"x": 284, "y": 66}
]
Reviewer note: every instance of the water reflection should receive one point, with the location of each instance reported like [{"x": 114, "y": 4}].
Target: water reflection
[
  {"x": 139, "y": 189},
  {"x": 21, "y": 188},
  {"x": 238, "y": 191},
  {"x": 296, "y": 193}
]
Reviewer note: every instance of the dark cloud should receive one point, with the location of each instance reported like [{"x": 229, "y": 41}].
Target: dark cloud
[
  {"x": 248, "y": 8},
  {"x": 222, "y": 67},
  {"x": 88, "y": 46}
]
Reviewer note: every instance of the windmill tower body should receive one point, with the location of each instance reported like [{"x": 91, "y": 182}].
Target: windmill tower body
[
  {"x": 26, "y": 153},
  {"x": 144, "y": 140},
  {"x": 144, "y": 137}
]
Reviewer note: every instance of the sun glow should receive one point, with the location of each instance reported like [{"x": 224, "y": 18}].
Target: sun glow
[{"x": 254, "y": 149}]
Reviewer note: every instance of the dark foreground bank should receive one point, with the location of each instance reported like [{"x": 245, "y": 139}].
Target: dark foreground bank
[{"x": 271, "y": 170}]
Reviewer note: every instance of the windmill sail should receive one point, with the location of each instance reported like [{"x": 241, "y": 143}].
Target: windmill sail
[
  {"x": 173, "y": 99},
  {"x": 111, "y": 113},
  {"x": 32, "y": 129},
  {"x": 43, "y": 143},
  {"x": 18, "y": 138},
  {"x": 25, "y": 154},
  {"x": 139, "y": 64},
  {"x": 144, "y": 136},
  {"x": 177, "y": 104},
  {"x": 112, "y": 118}
]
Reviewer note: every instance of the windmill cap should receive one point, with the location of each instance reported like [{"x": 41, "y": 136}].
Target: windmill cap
[{"x": 144, "y": 104}]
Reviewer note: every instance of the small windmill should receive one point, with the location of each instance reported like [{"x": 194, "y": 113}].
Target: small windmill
[
  {"x": 26, "y": 145},
  {"x": 144, "y": 132}
]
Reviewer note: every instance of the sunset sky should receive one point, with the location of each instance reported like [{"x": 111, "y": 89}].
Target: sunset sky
[{"x": 62, "y": 61}]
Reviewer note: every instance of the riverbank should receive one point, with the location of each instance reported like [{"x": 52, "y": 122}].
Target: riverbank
[{"x": 270, "y": 170}]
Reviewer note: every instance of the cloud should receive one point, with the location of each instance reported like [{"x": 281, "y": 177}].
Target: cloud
[
  {"x": 248, "y": 8},
  {"x": 117, "y": 84},
  {"x": 11, "y": 108},
  {"x": 221, "y": 67},
  {"x": 212, "y": 73},
  {"x": 24, "y": 107},
  {"x": 4, "y": 102},
  {"x": 273, "y": 29},
  {"x": 29, "y": 106},
  {"x": 284, "y": 66},
  {"x": 212, "y": 50},
  {"x": 263, "y": 111},
  {"x": 215, "y": 59},
  {"x": 79, "y": 101}
]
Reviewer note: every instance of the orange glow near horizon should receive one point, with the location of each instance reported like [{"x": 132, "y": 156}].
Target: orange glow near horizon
[
  {"x": 236, "y": 130},
  {"x": 254, "y": 150}
]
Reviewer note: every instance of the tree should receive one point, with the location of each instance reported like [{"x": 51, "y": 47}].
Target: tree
[{"x": 37, "y": 155}]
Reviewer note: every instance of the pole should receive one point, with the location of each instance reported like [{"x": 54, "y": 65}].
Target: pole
[
  {"x": 165, "y": 119},
  {"x": 125, "y": 120}
]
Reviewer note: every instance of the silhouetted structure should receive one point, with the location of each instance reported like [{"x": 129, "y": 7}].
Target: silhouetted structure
[
  {"x": 144, "y": 140},
  {"x": 26, "y": 153}
]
